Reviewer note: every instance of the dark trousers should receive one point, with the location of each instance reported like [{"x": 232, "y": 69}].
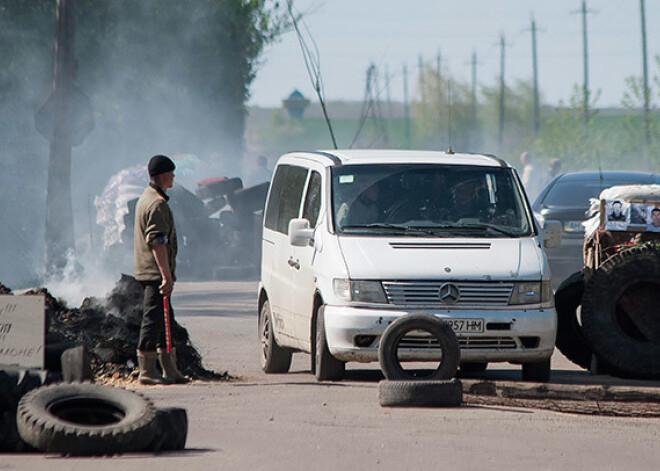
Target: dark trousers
[{"x": 152, "y": 329}]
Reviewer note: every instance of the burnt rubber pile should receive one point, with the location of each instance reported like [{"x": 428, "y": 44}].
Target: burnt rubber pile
[
  {"x": 608, "y": 318},
  {"x": 109, "y": 329}
]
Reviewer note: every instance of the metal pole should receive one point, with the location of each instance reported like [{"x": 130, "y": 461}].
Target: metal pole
[
  {"x": 585, "y": 86},
  {"x": 406, "y": 106},
  {"x": 537, "y": 117},
  {"x": 500, "y": 134},
  {"x": 645, "y": 75}
]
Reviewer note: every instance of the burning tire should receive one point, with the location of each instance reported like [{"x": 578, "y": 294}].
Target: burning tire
[
  {"x": 619, "y": 315},
  {"x": 402, "y": 334},
  {"x": 171, "y": 430},
  {"x": 439, "y": 393},
  {"x": 86, "y": 419}
]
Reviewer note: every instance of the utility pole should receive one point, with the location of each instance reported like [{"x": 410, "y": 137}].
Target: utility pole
[
  {"x": 474, "y": 87},
  {"x": 500, "y": 122},
  {"x": 439, "y": 67},
  {"x": 537, "y": 117},
  {"x": 390, "y": 114},
  {"x": 645, "y": 75},
  {"x": 420, "y": 65},
  {"x": 585, "y": 86},
  {"x": 59, "y": 207},
  {"x": 406, "y": 106}
]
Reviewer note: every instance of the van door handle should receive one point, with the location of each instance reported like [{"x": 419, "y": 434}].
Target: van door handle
[{"x": 294, "y": 263}]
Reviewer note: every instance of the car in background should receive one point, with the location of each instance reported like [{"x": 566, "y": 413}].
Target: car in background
[{"x": 566, "y": 199}]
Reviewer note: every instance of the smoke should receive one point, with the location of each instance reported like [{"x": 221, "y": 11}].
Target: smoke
[{"x": 149, "y": 97}]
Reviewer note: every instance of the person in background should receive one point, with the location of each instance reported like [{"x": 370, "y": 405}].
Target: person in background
[
  {"x": 554, "y": 168},
  {"x": 532, "y": 177},
  {"x": 260, "y": 174},
  {"x": 155, "y": 250}
]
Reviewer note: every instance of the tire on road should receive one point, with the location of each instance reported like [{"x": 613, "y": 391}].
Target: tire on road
[
  {"x": 469, "y": 367},
  {"x": 570, "y": 339},
  {"x": 442, "y": 332},
  {"x": 273, "y": 358},
  {"x": 420, "y": 393},
  {"x": 619, "y": 313},
  {"x": 327, "y": 367},
  {"x": 85, "y": 419},
  {"x": 14, "y": 385},
  {"x": 538, "y": 371},
  {"x": 171, "y": 430}
]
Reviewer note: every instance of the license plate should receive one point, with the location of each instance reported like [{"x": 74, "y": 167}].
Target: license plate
[{"x": 466, "y": 326}]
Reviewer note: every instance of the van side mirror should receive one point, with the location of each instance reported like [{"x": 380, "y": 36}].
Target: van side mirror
[
  {"x": 299, "y": 232},
  {"x": 551, "y": 234}
]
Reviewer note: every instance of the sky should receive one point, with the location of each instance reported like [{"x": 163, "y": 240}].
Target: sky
[{"x": 352, "y": 34}]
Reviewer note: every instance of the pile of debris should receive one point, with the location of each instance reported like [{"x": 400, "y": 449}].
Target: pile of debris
[{"x": 109, "y": 329}]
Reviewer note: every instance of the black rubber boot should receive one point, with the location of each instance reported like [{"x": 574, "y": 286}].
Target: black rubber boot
[
  {"x": 170, "y": 370},
  {"x": 148, "y": 372}
]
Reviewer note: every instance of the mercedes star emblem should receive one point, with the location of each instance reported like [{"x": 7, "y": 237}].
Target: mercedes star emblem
[{"x": 449, "y": 293}]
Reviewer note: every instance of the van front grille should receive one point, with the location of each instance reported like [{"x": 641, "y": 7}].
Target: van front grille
[
  {"x": 429, "y": 293},
  {"x": 427, "y": 341}
]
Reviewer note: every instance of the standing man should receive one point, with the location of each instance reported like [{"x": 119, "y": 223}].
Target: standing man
[
  {"x": 155, "y": 263},
  {"x": 532, "y": 178}
]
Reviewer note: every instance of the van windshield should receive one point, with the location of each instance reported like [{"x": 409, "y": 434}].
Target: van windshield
[{"x": 428, "y": 199}]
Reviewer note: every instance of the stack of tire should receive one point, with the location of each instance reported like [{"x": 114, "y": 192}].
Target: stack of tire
[
  {"x": 608, "y": 321},
  {"x": 409, "y": 388}
]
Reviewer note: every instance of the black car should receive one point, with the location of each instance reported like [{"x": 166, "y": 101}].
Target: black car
[{"x": 566, "y": 199}]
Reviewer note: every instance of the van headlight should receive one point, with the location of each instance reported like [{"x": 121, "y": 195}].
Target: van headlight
[
  {"x": 530, "y": 292},
  {"x": 359, "y": 291}
]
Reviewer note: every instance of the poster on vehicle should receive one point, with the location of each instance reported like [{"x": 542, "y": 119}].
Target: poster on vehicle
[
  {"x": 22, "y": 324},
  {"x": 617, "y": 215},
  {"x": 653, "y": 217}
]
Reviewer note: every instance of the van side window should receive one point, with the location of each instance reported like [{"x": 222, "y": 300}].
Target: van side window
[
  {"x": 273, "y": 206},
  {"x": 313, "y": 199},
  {"x": 286, "y": 196}
]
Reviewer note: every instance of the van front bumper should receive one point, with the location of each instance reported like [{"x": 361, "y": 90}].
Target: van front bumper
[{"x": 511, "y": 335}]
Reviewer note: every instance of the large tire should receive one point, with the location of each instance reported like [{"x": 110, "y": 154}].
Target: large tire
[
  {"x": 273, "y": 358},
  {"x": 441, "y": 331},
  {"x": 570, "y": 339},
  {"x": 537, "y": 372},
  {"x": 14, "y": 385},
  {"x": 327, "y": 367},
  {"x": 171, "y": 430},
  {"x": 86, "y": 419},
  {"x": 439, "y": 393},
  {"x": 619, "y": 313}
]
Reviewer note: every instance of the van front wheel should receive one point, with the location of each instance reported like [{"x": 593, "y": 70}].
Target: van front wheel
[
  {"x": 538, "y": 372},
  {"x": 273, "y": 358},
  {"x": 328, "y": 368}
]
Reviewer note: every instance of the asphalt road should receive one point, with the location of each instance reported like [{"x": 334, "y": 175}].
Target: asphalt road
[{"x": 291, "y": 422}]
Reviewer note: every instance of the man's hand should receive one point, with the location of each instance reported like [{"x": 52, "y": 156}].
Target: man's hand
[{"x": 166, "y": 287}]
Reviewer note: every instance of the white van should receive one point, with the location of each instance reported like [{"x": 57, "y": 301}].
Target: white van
[{"x": 354, "y": 239}]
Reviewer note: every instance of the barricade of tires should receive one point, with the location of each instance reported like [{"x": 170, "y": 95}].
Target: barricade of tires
[
  {"x": 608, "y": 322},
  {"x": 84, "y": 419},
  {"x": 414, "y": 388}
]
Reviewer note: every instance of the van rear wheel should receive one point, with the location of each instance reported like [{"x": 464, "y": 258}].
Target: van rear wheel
[
  {"x": 328, "y": 368},
  {"x": 273, "y": 358}
]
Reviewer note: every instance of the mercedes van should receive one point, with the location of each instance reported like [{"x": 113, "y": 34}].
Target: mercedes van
[{"x": 354, "y": 239}]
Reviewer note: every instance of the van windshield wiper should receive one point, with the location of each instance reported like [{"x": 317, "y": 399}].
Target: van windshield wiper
[
  {"x": 483, "y": 226},
  {"x": 394, "y": 227}
]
